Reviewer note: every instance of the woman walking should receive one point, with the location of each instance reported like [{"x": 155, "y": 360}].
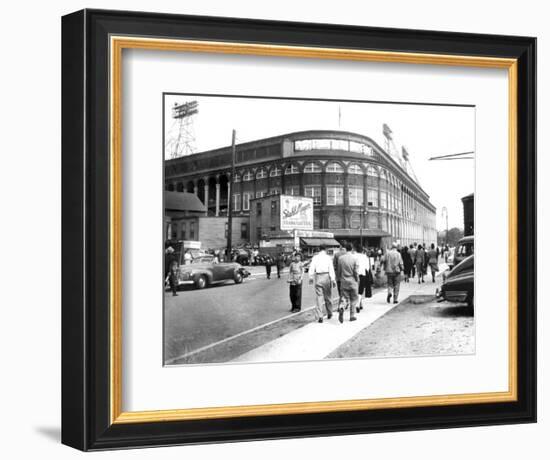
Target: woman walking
[
  {"x": 407, "y": 262},
  {"x": 432, "y": 261},
  {"x": 419, "y": 263},
  {"x": 295, "y": 277}
]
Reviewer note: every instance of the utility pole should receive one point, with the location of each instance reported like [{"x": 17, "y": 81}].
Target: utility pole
[{"x": 230, "y": 198}]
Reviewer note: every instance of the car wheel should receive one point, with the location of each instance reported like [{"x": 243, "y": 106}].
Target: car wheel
[
  {"x": 238, "y": 278},
  {"x": 201, "y": 282}
]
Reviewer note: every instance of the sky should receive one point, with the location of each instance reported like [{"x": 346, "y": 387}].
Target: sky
[{"x": 425, "y": 131}]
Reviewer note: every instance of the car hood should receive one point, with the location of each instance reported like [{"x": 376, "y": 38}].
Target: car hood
[
  {"x": 464, "y": 267},
  {"x": 204, "y": 266},
  {"x": 461, "y": 278}
]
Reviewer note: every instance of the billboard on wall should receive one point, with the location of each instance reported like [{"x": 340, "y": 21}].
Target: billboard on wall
[{"x": 296, "y": 213}]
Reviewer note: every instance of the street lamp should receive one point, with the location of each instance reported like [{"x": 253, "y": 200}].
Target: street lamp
[{"x": 445, "y": 214}]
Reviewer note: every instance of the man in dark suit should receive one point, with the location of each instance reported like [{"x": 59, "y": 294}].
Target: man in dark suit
[
  {"x": 268, "y": 264},
  {"x": 348, "y": 276},
  {"x": 280, "y": 261}
]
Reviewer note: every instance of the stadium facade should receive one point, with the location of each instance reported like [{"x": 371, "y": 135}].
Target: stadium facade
[{"x": 359, "y": 190}]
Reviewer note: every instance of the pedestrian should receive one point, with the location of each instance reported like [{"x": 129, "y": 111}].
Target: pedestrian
[
  {"x": 364, "y": 278},
  {"x": 393, "y": 267},
  {"x": 295, "y": 277},
  {"x": 412, "y": 255},
  {"x": 407, "y": 263},
  {"x": 280, "y": 262},
  {"x": 433, "y": 261},
  {"x": 321, "y": 274},
  {"x": 425, "y": 259},
  {"x": 169, "y": 257},
  {"x": 173, "y": 278},
  {"x": 348, "y": 275},
  {"x": 341, "y": 251},
  {"x": 419, "y": 263},
  {"x": 268, "y": 263}
]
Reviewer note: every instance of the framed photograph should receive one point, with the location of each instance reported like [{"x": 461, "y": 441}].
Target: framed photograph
[{"x": 270, "y": 228}]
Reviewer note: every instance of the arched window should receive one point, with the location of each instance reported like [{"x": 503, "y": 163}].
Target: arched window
[
  {"x": 371, "y": 171},
  {"x": 275, "y": 171},
  {"x": 248, "y": 176},
  {"x": 354, "y": 168},
  {"x": 312, "y": 168},
  {"x": 292, "y": 169},
  {"x": 261, "y": 174},
  {"x": 334, "y": 168},
  {"x": 237, "y": 178},
  {"x": 383, "y": 200}
]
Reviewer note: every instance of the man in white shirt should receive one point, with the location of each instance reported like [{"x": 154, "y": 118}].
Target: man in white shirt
[{"x": 321, "y": 272}]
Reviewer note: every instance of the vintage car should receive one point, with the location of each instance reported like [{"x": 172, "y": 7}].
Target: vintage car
[
  {"x": 242, "y": 256},
  {"x": 203, "y": 272},
  {"x": 463, "y": 249},
  {"x": 458, "y": 284}
]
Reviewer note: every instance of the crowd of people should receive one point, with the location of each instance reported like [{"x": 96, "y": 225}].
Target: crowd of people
[{"x": 351, "y": 271}]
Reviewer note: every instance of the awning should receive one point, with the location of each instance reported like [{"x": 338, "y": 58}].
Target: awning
[
  {"x": 316, "y": 242},
  {"x": 343, "y": 233}
]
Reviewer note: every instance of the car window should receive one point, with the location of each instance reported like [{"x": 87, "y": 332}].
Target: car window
[
  {"x": 465, "y": 249},
  {"x": 202, "y": 260}
]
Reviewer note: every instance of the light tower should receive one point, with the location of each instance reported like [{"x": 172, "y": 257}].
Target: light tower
[
  {"x": 445, "y": 215},
  {"x": 388, "y": 134},
  {"x": 184, "y": 142},
  {"x": 390, "y": 146}
]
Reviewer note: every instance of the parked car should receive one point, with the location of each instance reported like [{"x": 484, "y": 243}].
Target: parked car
[
  {"x": 463, "y": 249},
  {"x": 458, "y": 284},
  {"x": 242, "y": 256},
  {"x": 203, "y": 272}
]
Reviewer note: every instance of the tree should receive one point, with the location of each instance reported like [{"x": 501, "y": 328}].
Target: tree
[{"x": 455, "y": 234}]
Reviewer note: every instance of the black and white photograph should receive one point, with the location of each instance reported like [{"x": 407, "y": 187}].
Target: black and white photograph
[{"x": 311, "y": 229}]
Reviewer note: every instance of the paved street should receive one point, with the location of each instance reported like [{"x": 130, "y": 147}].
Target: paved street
[
  {"x": 197, "y": 318},
  {"x": 251, "y": 322}
]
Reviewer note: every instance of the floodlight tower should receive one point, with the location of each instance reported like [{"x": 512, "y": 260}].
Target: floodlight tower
[
  {"x": 184, "y": 144},
  {"x": 388, "y": 134},
  {"x": 390, "y": 143},
  {"x": 405, "y": 162}
]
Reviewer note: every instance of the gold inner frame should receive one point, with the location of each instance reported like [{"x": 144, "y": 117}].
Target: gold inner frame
[{"x": 117, "y": 45}]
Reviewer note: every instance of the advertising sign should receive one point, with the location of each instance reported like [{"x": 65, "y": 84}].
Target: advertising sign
[{"x": 296, "y": 213}]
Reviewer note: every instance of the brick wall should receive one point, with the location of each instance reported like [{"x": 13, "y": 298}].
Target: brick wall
[{"x": 212, "y": 232}]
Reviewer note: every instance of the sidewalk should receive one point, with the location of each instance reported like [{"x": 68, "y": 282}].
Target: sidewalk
[
  {"x": 316, "y": 341},
  {"x": 257, "y": 271}
]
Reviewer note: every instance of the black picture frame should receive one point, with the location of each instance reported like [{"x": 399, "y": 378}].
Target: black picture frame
[{"x": 86, "y": 250}]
